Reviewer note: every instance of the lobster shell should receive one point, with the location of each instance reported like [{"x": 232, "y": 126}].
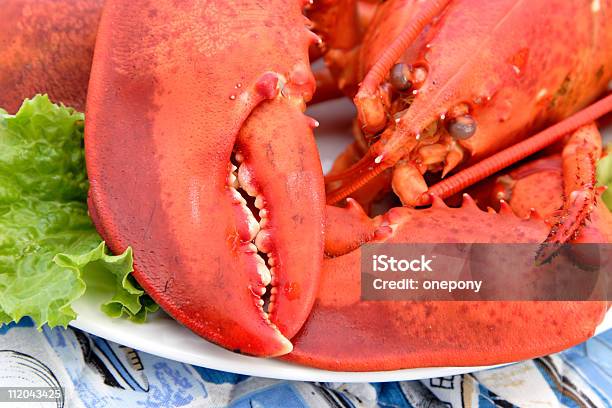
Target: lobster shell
[
  {"x": 344, "y": 333},
  {"x": 511, "y": 67},
  {"x": 176, "y": 88},
  {"x": 47, "y": 47},
  {"x": 514, "y": 63}
]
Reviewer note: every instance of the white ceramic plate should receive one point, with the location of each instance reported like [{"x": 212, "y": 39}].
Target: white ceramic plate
[{"x": 164, "y": 337}]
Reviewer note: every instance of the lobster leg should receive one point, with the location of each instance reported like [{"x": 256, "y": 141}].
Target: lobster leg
[
  {"x": 345, "y": 333},
  {"x": 571, "y": 201},
  {"x": 580, "y": 156},
  {"x": 46, "y": 47},
  {"x": 563, "y": 191},
  {"x": 179, "y": 95}
]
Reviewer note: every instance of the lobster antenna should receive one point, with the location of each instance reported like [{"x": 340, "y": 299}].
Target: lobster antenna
[
  {"x": 364, "y": 164},
  {"x": 336, "y": 195},
  {"x": 519, "y": 151},
  {"x": 393, "y": 53}
]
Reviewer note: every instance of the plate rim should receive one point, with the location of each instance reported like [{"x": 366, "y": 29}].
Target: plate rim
[{"x": 111, "y": 329}]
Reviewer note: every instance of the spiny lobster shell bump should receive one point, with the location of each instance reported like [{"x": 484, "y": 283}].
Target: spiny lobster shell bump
[
  {"x": 46, "y": 47},
  {"x": 176, "y": 88}
]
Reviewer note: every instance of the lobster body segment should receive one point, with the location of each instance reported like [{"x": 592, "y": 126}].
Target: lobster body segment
[{"x": 181, "y": 94}]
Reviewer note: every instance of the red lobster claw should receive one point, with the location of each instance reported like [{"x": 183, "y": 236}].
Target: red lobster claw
[
  {"x": 347, "y": 334},
  {"x": 181, "y": 94},
  {"x": 46, "y": 47}
]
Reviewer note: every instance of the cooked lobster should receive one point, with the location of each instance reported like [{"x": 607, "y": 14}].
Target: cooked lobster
[
  {"x": 201, "y": 159},
  {"x": 46, "y": 47}
]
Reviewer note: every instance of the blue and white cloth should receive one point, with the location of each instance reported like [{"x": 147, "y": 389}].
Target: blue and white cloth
[{"x": 96, "y": 373}]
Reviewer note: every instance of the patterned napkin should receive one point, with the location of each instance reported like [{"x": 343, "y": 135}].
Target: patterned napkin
[{"x": 94, "y": 372}]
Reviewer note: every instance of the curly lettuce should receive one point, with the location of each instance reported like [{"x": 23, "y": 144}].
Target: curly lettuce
[
  {"x": 50, "y": 252},
  {"x": 604, "y": 176}
]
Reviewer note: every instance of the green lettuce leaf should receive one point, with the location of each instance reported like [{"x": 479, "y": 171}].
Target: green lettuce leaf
[
  {"x": 111, "y": 274},
  {"x": 49, "y": 250},
  {"x": 604, "y": 176}
]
